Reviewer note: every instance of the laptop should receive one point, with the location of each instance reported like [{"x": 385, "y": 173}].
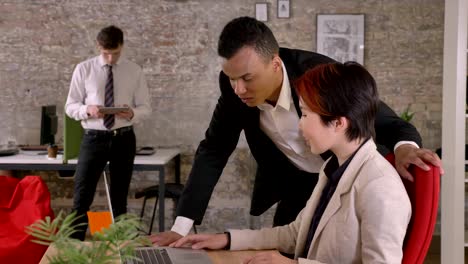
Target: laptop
[{"x": 167, "y": 255}]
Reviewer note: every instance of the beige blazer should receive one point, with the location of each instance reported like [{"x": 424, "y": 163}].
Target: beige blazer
[{"x": 364, "y": 222}]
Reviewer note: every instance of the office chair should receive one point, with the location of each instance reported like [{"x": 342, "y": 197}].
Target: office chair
[
  {"x": 424, "y": 197},
  {"x": 172, "y": 191}
]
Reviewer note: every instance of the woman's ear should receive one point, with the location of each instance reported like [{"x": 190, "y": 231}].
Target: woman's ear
[{"x": 341, "y": 123}]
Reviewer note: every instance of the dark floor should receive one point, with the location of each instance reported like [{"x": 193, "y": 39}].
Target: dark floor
[{"x": 433, "y": 255}]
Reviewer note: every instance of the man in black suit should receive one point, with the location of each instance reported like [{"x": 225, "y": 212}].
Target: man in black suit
[{"x": 257, "y": 96}]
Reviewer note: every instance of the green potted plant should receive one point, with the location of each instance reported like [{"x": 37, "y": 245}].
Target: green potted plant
[
  {"x": 112, "y": 244},
  {"x": 407, "y": 115}
]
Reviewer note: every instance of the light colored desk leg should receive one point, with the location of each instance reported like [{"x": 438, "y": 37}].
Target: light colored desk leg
[{"x": 162, "y": 191}]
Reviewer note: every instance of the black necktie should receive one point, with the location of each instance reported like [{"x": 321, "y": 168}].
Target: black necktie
[{"x": 109, "y": 98}]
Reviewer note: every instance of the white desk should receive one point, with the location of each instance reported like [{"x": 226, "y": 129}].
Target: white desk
[
  {"x": 25, "y": 158},
  {"x": 30, "y": 160}
]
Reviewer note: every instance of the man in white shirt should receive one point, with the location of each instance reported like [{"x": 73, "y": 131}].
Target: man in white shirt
[
  {"x": 106, "y": 80},
  {"x": 257, "y": 96}
]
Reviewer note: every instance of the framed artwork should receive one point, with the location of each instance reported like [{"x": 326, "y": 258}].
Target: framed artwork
[
  {"x": 341, "y": 37},
  {"x": 283, "y": 9},
  {"x": 261, "y": 11}
]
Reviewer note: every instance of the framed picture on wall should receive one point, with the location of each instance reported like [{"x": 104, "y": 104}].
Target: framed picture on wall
[
  {"x": 341, "y": 36},
  {"x": 261, "y": 11},
  {"x": 283, "y": 9}
]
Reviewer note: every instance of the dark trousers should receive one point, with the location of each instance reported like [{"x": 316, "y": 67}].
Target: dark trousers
[
  {"x": 97, "y": 148},
  {"x": 295, "y": 200}
]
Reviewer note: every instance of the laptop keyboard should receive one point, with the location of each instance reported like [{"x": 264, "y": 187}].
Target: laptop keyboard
[{"x": 151, "y": 256}]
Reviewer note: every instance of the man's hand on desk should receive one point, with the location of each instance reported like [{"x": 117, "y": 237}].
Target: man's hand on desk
[
  {"x": 199, "y": 241},
  {"x": 165, "y": 238},
  {"x": 271, "y": 257}
]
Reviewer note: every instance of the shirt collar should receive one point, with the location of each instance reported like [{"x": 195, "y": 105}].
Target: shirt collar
[
  {"x": 333, "y": 171},
  {"x": 103, "y": 63},
  {"x": 285, "y": 98}
]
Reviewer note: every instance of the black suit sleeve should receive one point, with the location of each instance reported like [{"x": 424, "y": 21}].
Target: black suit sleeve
[
  {"x": 213, "y": 152},
  {"x": 390, "y": 129}
]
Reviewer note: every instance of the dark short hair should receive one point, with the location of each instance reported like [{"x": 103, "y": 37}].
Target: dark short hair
[
  {"x": 336, "y": 90},
  {"x": 110, "y": 37},
  {"x": 247, "y": 31}
]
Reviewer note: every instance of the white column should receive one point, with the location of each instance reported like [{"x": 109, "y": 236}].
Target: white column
[{"x": 453, "y": 132}]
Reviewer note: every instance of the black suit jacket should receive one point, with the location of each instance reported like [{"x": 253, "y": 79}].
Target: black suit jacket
[{"x": 276, "y": 175}]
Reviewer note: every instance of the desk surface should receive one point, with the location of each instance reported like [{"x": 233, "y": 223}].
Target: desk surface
[
  {"x": 30, "y": 157},
  {"x": 160, "y": 157},
  {"x": 217, "y": 256}
]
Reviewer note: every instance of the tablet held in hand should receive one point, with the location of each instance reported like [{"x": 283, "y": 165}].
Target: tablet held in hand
[{"x": 112, "y": 110}]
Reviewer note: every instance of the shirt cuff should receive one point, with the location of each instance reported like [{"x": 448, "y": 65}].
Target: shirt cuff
[
  {"x": 182, "y": 225},
  {"x": 403, "y": 143},
  {"x": 83, "y": 112}
]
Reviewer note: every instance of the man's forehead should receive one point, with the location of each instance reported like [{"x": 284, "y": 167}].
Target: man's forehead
[
  {"x": 235, "y": 71},
  {"x": 242, "y": 63},
  {"x": 116, "y": 50}
]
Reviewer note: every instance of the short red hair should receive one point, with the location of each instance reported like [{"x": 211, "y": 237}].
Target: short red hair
[{"x": 336, "y": 90}]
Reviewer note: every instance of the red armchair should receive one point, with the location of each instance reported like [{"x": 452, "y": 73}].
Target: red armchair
[{"x": 424, "y": 197}]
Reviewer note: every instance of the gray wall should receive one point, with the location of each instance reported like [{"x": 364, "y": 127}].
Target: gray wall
[{"x": 175, "y": 42}]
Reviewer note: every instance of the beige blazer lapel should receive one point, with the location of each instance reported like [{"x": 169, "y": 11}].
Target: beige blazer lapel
[
  {"x": 344, "y": 186},
  {"x": 332, "y": 208},
  {"x": 308, "y": 213}
]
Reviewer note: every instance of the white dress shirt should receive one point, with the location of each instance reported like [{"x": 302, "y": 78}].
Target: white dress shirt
[
  {"x": 281, "y": 124},
  {"x": 88, "y": 88}
]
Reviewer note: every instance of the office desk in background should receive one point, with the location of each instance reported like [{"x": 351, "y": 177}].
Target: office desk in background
[
  {"x": 217, "y": 256},
  {"x": 29, "y": 160}
]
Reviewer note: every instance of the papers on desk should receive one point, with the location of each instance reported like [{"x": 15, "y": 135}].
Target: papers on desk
[
  {"x": 145, "y": 151},
  {"x": 8, "y": 150}
]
